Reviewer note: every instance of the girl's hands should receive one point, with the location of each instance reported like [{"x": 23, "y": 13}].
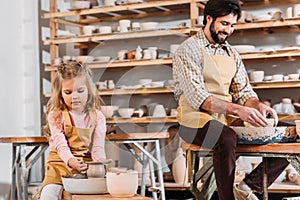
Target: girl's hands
[{"x": 78, "y": 165}]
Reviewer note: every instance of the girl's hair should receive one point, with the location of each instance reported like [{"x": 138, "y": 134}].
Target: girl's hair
[
  {"x": 220, "y": 8},
  {"x": 69, "y": 71}
]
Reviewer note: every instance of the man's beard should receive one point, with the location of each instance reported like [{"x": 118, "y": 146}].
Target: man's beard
[{"x": 214, "y": 34}]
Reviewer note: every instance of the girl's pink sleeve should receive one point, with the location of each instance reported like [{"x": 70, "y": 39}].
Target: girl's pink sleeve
[
  {"x": 98, "y": 148},
  {"x": 57, "y": 138}
]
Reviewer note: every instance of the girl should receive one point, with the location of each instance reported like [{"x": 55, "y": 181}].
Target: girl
[{"x": 76, "y": 125}]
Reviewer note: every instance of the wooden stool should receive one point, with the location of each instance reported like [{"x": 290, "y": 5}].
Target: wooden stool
[
  {"x": 290, "y": 151},
  {"x": 152, "y": 157}
]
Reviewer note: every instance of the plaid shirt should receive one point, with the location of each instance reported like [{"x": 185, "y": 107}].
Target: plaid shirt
[{"x": 188, "y": 67}]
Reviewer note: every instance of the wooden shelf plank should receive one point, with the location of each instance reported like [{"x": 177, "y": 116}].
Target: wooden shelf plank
[
  {"x": 274, "y": 85},
  {"x": 271, "y": 54},
  {"x": 142, "y": 91},
  {"x": 118, "y": 8},
  {"x": 118, "y": 36},
  {"x": 142, "y": 120},
  {"x": 162, "y": 90},
  {"x": 120, "y": 64},
  {"x": 269, "y": 23}
]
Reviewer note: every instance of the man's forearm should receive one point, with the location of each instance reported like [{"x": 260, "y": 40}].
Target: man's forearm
[{"x": 215, "y": 105}]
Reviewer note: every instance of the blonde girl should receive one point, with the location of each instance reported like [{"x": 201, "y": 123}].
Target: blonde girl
[{"x": 77, "y": 127}]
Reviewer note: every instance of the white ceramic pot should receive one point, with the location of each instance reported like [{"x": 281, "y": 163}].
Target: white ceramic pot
[
  {"x": 257, "y": 76},
  {"x": 179, "y": 169},
  {"x": 84, "y": 186},
  {"x": 122, "y": 184}
]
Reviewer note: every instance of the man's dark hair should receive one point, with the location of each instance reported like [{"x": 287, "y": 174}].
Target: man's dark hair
[{"x": 220, "y": 8}]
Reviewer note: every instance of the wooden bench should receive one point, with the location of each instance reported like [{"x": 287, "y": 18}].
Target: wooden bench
[
  {"x": 151, "y": 156},
  {"x": 290, "y": 151}
]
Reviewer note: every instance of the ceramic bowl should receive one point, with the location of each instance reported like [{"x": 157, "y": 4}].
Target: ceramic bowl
[
  {"x": 277, "y": 77},
  {"x": 122, "y": 184},
  {"x": 126, "y": 112},
  {"x": 264, "y": 135},
  {"x": 84, "y": 59},
  {"x": 293, "y": 76},
  {"x": 157, "y": 84},
  {"x": 268, "y": 78},
  {"x": 148, "y": 26},
  {"x": 84, "y": 186},
  {"x": 80, "y": 4},
  {"x": 146, "y": 82},
  {"x": 108, "y": 111},
  {"x": 102, "y": 58}
]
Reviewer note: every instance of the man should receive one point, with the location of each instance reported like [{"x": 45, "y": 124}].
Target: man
[{"x": 211, "y": 85}]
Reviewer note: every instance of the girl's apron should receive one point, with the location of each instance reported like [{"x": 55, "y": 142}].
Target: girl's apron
[
  {"x": 80, "y": 143},
  {"x": 218, "y": 71}
]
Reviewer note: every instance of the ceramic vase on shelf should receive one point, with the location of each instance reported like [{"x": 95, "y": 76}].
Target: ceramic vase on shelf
[{"x": 179, "y": 168}]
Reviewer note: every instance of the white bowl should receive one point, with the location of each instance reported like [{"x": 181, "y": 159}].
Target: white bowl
[
  {"x": 126, "y": 112},
  {"x": 148, "y": 25},
  {"x": 80, "y": 4},
  {"x": 122, "y": 184},
  {"x": 264, "y": 135},
  {"x": 105, "y": 29},
  {"x": 108, "y": 111},
  {"x": 293, "y": 76},
  {"x": 102, "y": 58},
  {"x": 262, "y": 17},
  {"x": 244, "y": 48},
  {"x": 85, "y": 186},
  {"x": 157, "y": 84},
  {"x": 84, "y": 59},
  {"x": 146, "y": 82},
  {"x": 277, "y": 77},
  {"x": 268, "y": 78}
]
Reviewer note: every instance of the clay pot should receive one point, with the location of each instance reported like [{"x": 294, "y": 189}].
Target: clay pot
[{"x": 97, "y": 169}]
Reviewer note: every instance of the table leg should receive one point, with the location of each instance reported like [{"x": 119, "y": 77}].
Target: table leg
[
  {"x": 144, "y": 167},
  {"x": 23, "y": 172},
  {"x": 13, "y": 173},
  {"x": 159, "y": 170},
  {"x": 18, "y": 173},
  {"x": 152, "y": 177},
  {"x": 265, "y": 179}
]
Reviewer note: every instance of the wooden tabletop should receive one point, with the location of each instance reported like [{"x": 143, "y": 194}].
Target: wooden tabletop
[
  {"x": 24, "y": 140},
  {"x": 106, "y": 196},
  {"x": 288, "y": 148},
  {"x": 137, "y": 136}
]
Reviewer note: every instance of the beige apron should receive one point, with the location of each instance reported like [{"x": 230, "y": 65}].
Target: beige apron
[
  {"x": 218, "y": 71},
  {"x": 80, "y": 143}
]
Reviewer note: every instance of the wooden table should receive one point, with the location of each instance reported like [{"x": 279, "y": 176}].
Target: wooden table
[
  {"x": 102, "y": 196},
  {"x": 290, "y": 151},
  {"x": 140, "y": 141},
  {"x": 22, "y": 161}
]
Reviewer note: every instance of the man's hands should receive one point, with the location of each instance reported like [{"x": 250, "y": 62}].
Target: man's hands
[
  {"x": 78, "y": 165},
  {"x": 255, "y": 113}
]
